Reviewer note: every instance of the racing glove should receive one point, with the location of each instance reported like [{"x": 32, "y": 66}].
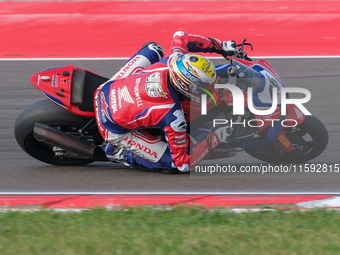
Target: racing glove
[
  {"x": 219, "y": 135},
  {"x": 224, "y": 133},
  {"x": 225, "y": 48}
]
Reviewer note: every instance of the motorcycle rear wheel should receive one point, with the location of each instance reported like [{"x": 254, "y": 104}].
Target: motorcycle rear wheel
[
  {"x": 48, "y": 113},
  {"x": 309, "y": 140}
]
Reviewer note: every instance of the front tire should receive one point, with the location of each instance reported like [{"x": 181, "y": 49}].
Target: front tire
[
  {"x": 309, "y": 140},
  {"x": 50, "y": 114}
]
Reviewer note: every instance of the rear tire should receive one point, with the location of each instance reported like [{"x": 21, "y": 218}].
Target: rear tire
[
  {"x": 309, "y": 140},
  {"x": 48, "y": 113}
]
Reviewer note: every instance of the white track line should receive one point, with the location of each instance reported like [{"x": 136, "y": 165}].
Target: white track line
[
  {"x": 169, "y": 193},
  {"x": 95, "y": 59}
]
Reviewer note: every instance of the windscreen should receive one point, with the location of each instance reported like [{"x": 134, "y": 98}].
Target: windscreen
[{"x": 243, "y": 76}]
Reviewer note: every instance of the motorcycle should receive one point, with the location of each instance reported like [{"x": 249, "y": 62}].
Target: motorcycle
[{"x": 62, "y": 129}]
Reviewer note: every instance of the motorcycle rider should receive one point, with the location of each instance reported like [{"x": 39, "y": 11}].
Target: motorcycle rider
[{"x": 148, "y": 92}]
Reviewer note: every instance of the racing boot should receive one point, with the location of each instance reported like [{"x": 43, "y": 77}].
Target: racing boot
[
  {"x": 171, "y": 171},
  {"x": 113, "y": 153}
]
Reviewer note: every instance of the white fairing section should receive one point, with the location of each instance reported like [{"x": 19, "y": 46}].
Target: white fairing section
[{"x": 270, "y": 81}]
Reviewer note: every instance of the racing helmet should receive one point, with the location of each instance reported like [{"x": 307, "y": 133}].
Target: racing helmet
[{"x": 191, "y": 75}]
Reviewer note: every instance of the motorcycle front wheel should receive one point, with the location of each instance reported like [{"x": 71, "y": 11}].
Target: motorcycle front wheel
[
  {"x": 309, "y": 140},
  {"x": 48, "y": 113}
]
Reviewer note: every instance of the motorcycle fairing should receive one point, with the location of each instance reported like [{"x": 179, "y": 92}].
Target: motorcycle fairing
[
  {"x": 248, "y": 141},
  {"x": 55, "y": 84},
  {"x": 70, "y": 87},
  {"x": 262, "y": 62},
  {"x": 54, "y": 99},
  {"x": 275, "y": 133},
  {"x": 294, "y": 113},
  {"x": 265, "y": 64},
  {"x": 262, "y": 98},
  {"x": 58, "y": 88},
  {"x": 269, "y": 79}
]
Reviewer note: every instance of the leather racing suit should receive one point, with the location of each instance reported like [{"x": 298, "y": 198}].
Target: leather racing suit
[{"x": 140, "y": 95}]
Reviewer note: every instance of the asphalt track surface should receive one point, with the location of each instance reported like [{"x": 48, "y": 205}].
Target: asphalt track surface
[{"x": 21, "y": 173}]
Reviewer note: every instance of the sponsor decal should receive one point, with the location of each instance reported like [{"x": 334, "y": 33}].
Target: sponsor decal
[
  {"x": 214, "y": 141},
  {"x": 123, "y": 94},
  {"x": 127, "y": 67},
  {"x": 205, "y": 67},
  {"x": 192, "y": 70},
  {"x": 284, "y": 141},
  {"x": 179, "y": 141},
  {"x": 140, "y": 147},
  {"x": 54, "y": 81},
  {"x": 153, "y": 87},
  {"x": 104, "y": 107},
  {"x": 43, "y": 78},
  {"x": 162, "y": 93},
  {"x": 277, "y": 112},
  {"x": 180, "y": 136},
  {"x": 188, "y": 75},
  {"x": 113, "y": 101},
  {"x": 299, "y": 114},
  {"x": 193, "y": 59},
  {"x": 139, "y": 100},
  {"x": 182, "y": 85},
  {"x": 97, "y": 112}
]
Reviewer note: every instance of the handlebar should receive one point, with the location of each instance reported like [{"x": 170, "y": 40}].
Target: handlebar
[{"x": 242, "y": 54}]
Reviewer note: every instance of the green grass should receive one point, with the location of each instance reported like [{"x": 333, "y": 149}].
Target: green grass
[{"x": 182, "y": 230}]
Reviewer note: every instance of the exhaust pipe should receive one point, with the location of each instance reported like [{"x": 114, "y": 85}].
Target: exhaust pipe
[{"x": 55, "y": 137}]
